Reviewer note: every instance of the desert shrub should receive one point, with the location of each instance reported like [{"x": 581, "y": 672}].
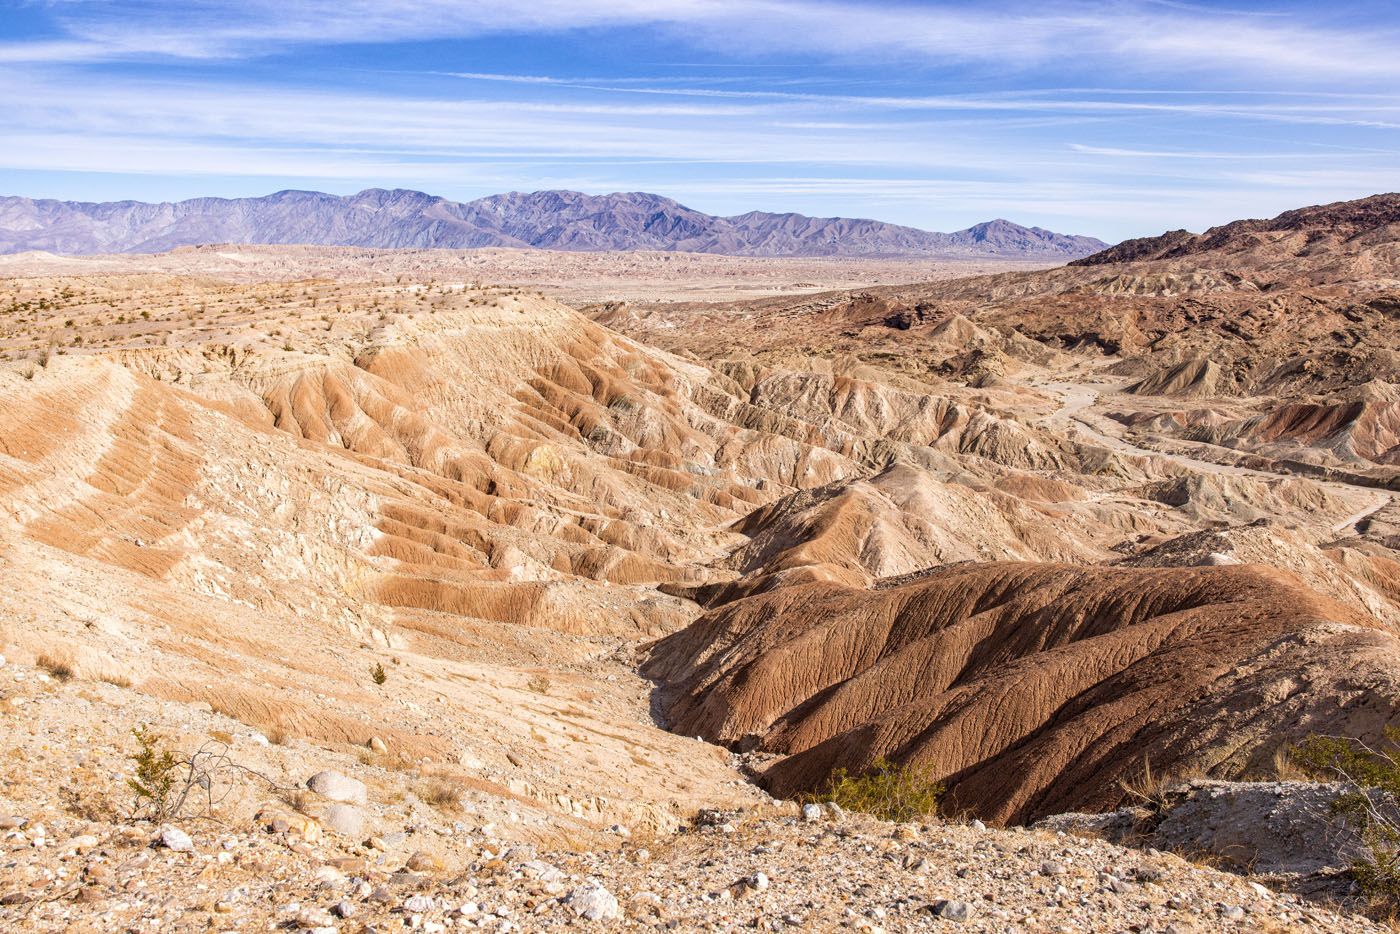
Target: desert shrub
[
  {"x": 376, "y": 673},
  {"x": 158, "y": 776},
  {"x": 887, "y": 791},
  {"x": 164, "y": 783},
  {"x": 1368, "y": 805},
  {"x": 539, "y": 684}
]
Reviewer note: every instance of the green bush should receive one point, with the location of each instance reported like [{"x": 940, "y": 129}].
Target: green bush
[
  {"x": 376, "y": 673},
  {"x": 157, "y": 781},
  {"x": 890, "y": 792},
  {"x": 1368, "y": 806}
]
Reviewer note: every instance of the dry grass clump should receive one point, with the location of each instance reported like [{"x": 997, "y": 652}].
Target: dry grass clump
[
  {"x": 899, "y": 793},
  {"x": 441, "y": 793},
  {"x": 1148, "y": 789},
  {"x": 59, "y": 668},
  {"x": 539, "y": 684},
  {"x": 1287, "y": 769}
]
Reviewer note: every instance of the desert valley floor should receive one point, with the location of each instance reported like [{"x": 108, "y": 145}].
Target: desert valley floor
[{"x": 578, "y": 570}]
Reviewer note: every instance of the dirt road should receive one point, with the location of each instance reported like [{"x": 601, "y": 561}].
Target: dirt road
[{"x": 1078, "y": 399}]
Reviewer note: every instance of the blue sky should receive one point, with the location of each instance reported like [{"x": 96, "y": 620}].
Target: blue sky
[{"x": 1115, "y": 119}]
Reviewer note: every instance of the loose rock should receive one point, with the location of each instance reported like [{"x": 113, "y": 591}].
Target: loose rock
[
  {"x": 343, "y": 819},
  {"x": 337, "y": 787},
  {"x": 592, "y": 902},
  {"x": 173, "y": 838},
  {"x": 950, "y": 910}
]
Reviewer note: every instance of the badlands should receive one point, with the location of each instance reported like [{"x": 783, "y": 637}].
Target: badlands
[{"x": 545, "y": 603}]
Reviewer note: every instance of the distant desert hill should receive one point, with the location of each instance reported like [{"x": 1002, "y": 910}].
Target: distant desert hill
[
  {"x": 560, "y": 220},
  {"x": 1323, "y": 225},
  {"x": 1302, "y": 303}
]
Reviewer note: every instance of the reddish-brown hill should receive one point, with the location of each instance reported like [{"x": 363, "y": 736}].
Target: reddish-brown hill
[
  {"x": 1030, "y": 688},
  {"x": 1339, "y": 221}
]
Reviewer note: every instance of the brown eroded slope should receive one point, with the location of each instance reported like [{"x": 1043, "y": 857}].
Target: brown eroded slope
[
  {"x": 1268, "y": 332},
  {"x": 152, "y": 538},
  {"x": 1304, "y": 307},
  {"x": 1033, "y": 688}
]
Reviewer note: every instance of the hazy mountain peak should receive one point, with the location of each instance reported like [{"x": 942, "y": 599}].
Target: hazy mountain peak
[{"x": 551, "y": 219}]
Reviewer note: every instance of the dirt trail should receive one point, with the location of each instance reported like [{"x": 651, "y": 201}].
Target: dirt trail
[{"x": 1078, "y": 399}]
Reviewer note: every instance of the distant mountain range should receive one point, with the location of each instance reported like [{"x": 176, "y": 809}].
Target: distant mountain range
[{"x": 555, "y": 220}]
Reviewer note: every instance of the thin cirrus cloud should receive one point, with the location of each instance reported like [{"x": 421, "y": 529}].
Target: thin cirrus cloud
[
  {"x": 934, "y": 114},
  {"x": 1019, "y": 34},
  {"x": 1333, "y": 110}
]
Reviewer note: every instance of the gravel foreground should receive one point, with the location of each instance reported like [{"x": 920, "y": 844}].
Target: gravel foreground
[
  {"x": 331, "y": 853},
  {"x": 764, "y": 869}
]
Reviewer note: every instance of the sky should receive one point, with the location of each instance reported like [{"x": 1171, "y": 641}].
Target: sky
[{"x": 1114, "y": 118}]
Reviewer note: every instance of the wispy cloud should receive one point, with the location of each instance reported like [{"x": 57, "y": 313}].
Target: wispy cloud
[
  {"x": 1242, "y": 156},
  {"x": 1333, "y": 109},
  {"x": 932, "y": 113},
  {"x": 1138, "y": 36}
]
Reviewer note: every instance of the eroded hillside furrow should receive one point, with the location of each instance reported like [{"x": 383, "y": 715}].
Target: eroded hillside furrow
[{"x": 984, "y": 671}]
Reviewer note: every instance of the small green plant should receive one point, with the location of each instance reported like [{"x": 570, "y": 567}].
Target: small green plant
[
  {"x": 377, "y": 673},
  {"x": 164, "y": 781},
  {"x": 885, "y": 790},
  {"x": 1370, "y": 805},
  {"x": 157, "y": 781}
]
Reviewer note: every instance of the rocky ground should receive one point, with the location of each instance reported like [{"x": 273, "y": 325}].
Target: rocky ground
[
  {"x": 304, "y": 844},
  {"x": 400, "y": 852},
  {"x": 577, "y": 278}
]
